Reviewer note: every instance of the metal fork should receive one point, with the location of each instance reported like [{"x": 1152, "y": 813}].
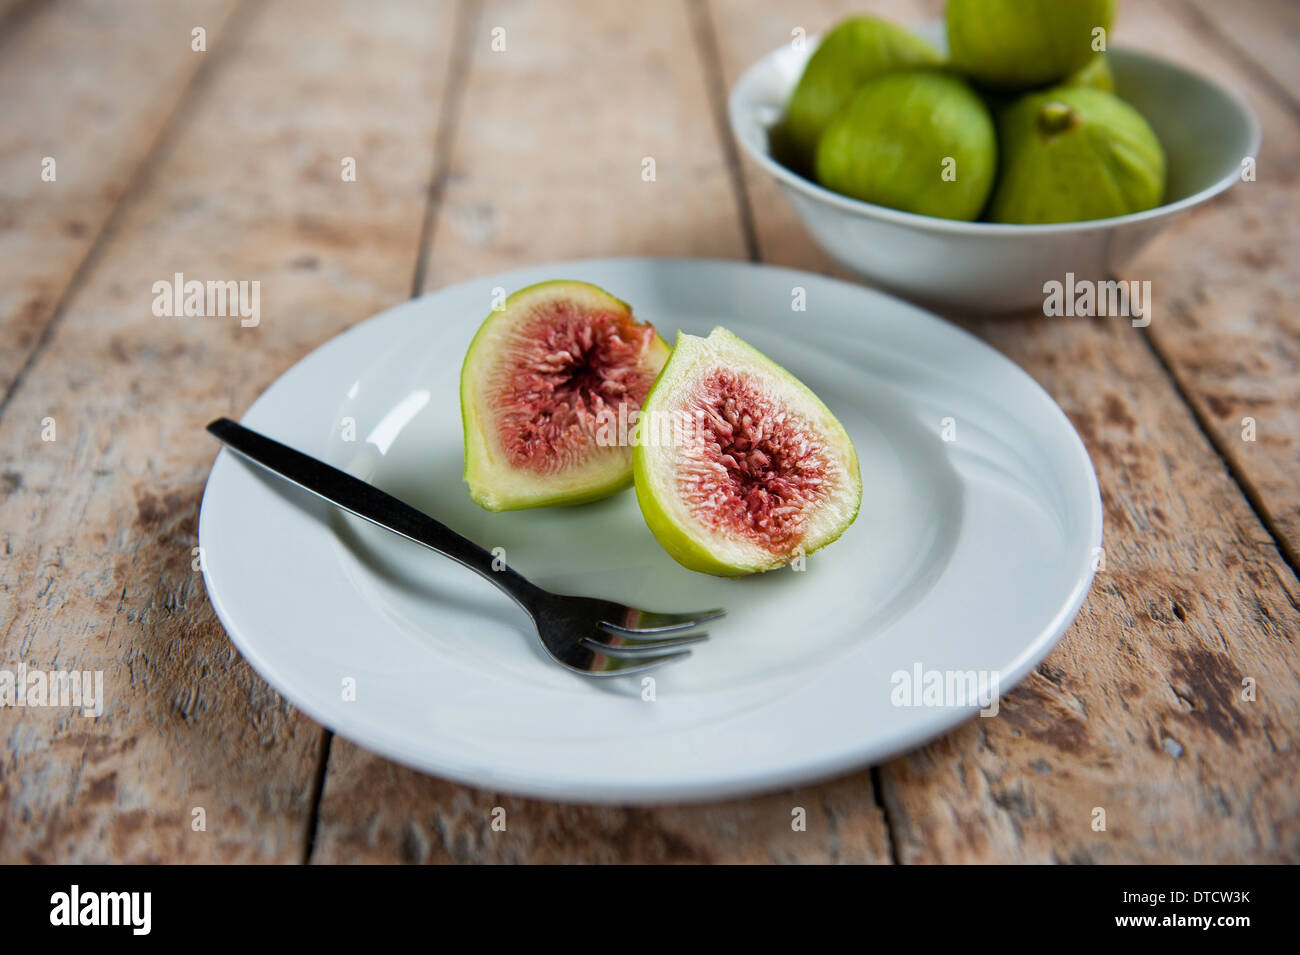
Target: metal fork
[{"x": 589, "y": 636}]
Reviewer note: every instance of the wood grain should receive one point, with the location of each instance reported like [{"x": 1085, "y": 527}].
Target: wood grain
[
  {"x": 99, "y": 524},
  {"x": 1139, "y": 711},
  {"x": 557, "y": 131},
  {"x": 1226, "y": 284},
  {"x": 77, "y": 93},
  {"x": 374, "y": 811},
  {"x": 1264, "y": 35}
]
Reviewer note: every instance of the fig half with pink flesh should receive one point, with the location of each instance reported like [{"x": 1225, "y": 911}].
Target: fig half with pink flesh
[
  {"x": 547, "y": 383},
  {"x": 739, "y": 467}
]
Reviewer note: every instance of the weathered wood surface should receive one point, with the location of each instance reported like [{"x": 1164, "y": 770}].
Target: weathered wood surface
[
  {"x": 76, "y": 92},
  {"x": 1226, "y": 281},
  {"x": 1139, "y": 712},
  {"x": 98, "y": 525},
  {"x": 1262, "y": 35}
]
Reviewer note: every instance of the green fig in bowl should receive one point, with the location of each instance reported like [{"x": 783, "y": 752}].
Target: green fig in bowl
[
  {"x": 1018, "y": 44},
  {"x": 1206, "y": 131},
  {"x": 1076, "y": 153},
  {"x": 1097, "y": 74},
  {"x": 856, "y": 50},
  {"x": 920, "y": 141}
]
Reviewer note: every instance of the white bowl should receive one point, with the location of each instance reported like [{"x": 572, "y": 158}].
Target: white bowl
[{"x": 1207, "y": 133}]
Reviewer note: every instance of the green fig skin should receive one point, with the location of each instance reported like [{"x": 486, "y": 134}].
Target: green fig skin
[
  {"x": 688, "y": 550},
  {"x": 918, "y": 141},
  {"x": 1019, "y": 44},
  {"x": 856, "y": 50},
  {"x": 1073, "y": 154},
  {"x": 1096, "y": 74}
]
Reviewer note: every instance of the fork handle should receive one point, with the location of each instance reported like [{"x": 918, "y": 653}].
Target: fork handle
[{"x": 368, "y": 502}]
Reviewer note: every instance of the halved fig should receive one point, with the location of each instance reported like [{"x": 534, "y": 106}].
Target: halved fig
[
  {"x": 547, "y": 384},
  {"x": 739, "y": 467}
]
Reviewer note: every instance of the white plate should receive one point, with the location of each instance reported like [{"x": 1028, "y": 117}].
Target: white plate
[{"x": 969, "y": 555}]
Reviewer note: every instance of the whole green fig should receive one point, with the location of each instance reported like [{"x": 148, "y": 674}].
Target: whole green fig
[
  {"x": 1075, "y": 153},
  {"x": 1017, "y": 44},
  {"x": 856, "y": 50},
  {"x": 921, "y": 141}
]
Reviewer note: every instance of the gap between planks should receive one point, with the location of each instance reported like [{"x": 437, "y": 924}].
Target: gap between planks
[
  {"x": 710, "y": 53},
  {"x": 235, "y": 25},
  {"x": 324, "y": 749},
  {"x": 1199, "y": 22},
  {"x": 1238, "y": 474},
  {"x": 464, "y": 25}
]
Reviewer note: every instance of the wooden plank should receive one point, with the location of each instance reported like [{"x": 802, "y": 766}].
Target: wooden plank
[
  {"x": 99, "y": 524},
  {"x": 1265, "y": 34},
  {"x": 1225, "y": 282},
  {"x": 548, "y": 165},
  {"x": 1139, "y": 711},
  {"x": 375, "y": 811},
  {"x": 90, "y": 86},
  {"x": 555, "y": 135}
]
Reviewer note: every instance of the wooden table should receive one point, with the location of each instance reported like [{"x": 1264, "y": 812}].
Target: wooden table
[{"x": 226, "y": 161}]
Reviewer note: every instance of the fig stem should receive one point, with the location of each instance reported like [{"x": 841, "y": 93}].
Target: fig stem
[{"x": 1056, "y": 117}]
